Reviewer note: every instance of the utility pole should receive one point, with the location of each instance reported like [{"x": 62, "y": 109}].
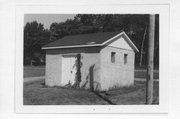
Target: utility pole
[{"x": 149, "y": 78}]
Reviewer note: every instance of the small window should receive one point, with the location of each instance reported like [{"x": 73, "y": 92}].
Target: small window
[
  {"x": 113, "y": 57},
  {"x": 125, "y": 58}
]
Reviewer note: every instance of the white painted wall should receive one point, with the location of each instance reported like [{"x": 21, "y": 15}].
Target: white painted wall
[
  {"x": 53, "y": 68},
  {"x": 120, "y": 43},
  {"x": 54, "y": 64},
  {"x": 116, "y": 74},
  {"x": 90, "y": 70},
  {"x": 105, "y": 74}
]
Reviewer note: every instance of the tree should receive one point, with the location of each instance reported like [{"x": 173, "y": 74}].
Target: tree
[
  {"x": 35, "y": 36},
  {"x": 142, "y": 47},
  {"x": 134, "y": 25}
]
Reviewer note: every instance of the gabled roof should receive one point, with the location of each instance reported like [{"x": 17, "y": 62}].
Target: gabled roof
[{"x": 88, "y": 40}]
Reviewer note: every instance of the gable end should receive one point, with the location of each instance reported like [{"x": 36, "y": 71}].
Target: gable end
[{"x": 121, "y": 41}]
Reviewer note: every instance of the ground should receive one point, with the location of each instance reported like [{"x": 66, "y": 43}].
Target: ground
[
  {"x": 36, "y": 93},
  {"x": 34, "y": 71}
]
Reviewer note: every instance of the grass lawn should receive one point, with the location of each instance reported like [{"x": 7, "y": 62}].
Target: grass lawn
[
  {"x": 35, "y": 93},
  {"x": 34, "y": 71},
  {"x": 142, "y": 74}
]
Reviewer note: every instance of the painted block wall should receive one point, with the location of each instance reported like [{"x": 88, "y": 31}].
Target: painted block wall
[
  {"x": 90, "y": 71},
  {"x": 116, "y": 74},
  {"x": 97, "y": 68},
  {"x": 53, "y": 69},
  {"x": 90, "y": 66}
]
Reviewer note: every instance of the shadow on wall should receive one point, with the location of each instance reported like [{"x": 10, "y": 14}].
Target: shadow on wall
[
  {"x": 93, "y": 85},
  {"x": 91, "y": 77},
  {"x": 96, "y": 85}
]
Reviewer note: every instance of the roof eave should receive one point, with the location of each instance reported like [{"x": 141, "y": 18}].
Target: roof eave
[
  {"x": 133, "y": 46},
  {"x": 74, "y": 46},
  {"x": 93, "y": 45}
]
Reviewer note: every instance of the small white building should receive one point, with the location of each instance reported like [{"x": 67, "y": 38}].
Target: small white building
[{"x": 107, "y": 61}]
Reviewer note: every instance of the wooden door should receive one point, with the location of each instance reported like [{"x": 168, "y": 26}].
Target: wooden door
[{"x": 68, "y": 70}]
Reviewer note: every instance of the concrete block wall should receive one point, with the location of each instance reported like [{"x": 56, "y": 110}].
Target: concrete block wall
[
  {"x": 90, "y": 71},
  {"x": 97, "y": 68},
  {"x": 90, "y": 66},
  {"x": 116, "y": 74},
  {"x": 53, "y": 70}
]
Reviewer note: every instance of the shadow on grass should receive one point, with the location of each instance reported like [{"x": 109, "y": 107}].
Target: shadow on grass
[
  {"x": 36, "y": 93},
  {"x": 104, "y": 98}
]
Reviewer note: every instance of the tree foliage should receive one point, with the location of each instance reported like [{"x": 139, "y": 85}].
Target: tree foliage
[
  {"x": 35, "y": 36},
  {"x": 133, "y": 24}
]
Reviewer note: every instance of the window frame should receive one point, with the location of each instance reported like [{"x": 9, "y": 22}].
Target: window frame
[
  {"x": 113, "y": 57},
  {"x": 125, "y": 58}
]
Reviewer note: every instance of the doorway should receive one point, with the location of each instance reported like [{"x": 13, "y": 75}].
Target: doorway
[{"x": 68, "y": 70}]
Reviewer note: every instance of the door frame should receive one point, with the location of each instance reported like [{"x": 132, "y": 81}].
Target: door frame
[{"x": 64, "y": 56}]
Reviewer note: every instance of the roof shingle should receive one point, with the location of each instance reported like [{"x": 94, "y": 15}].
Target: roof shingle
[{"x": 83, "y": 39}]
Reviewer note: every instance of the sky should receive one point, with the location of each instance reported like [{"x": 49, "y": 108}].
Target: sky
[{"x": 47, "y": 19}]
